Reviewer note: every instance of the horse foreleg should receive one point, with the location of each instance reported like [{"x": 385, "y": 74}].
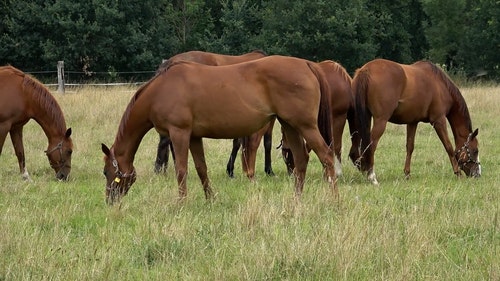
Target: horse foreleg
[
  {"x": 16, "y": 135},
  {"x": 180, "y": 142},
  {"x": 232, "y": 157},
  {"x": 442, "y": 132},
  {"x": 162, "y": 154},
  {"x": 300, "y": 156},
  {"x": 249, "y": 154},
  {"x": 3, "y": 135},
  {"x": 268, "y": 142},
  {"x": 172, "y": 150},
  {"x": 196, "y": 147},
  {"x": 411, "y": 130}
]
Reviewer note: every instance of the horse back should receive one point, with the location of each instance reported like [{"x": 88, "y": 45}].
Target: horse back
[
  {"x": 268, "y": 78},
  {"x": 214, "y": 59},
  {"x": 12, "y": 97}
]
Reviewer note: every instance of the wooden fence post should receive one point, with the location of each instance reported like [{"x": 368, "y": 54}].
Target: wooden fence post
[{"x": 60, "y": 77}]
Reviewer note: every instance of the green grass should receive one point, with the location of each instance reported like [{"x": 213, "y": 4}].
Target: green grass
[{"x": 431, "y": 227}]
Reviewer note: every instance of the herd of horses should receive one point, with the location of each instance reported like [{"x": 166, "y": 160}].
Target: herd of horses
[{"x": 198, "y": 95}]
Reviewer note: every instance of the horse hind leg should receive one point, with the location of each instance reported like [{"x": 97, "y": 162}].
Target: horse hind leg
[
  {"x": 162, "y": 154},
  {"x": 378, "y": 129},
  {"x": 268, "y": 142},
  {"x": 16, "y": 135},
  {"x": 325, "y": 154},
  {"x": 232, "y": 157}
]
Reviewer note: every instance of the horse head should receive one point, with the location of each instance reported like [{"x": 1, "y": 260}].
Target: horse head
[
  {"x": 468, "y": 156},
  {"x": 357, "y": 155},
  {"x": 287, "y": 154},
  {"x": 288, "y": 158},
  {"x": 118, "y": 183},
  {"x": 60, "y": 156},
  {"x": 355, "y": 151}
]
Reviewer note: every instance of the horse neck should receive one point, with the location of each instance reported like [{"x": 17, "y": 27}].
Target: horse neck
[
  {"x": 460, "y": 123},
  {"x": 458, "y": 116},
  {"x": 133, "y": 128}
]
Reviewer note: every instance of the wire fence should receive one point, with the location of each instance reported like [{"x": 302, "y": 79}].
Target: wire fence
[{"x": 61, "y": 78}]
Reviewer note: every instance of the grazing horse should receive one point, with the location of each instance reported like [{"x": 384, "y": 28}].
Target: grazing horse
[
  {"x": 249, "y": 143},
  {"x": 409, "y": 94},
  {"x": 189, "y": 101},
  {"x": 342, "y": 109},
  {"x": 23, "y": 98}
]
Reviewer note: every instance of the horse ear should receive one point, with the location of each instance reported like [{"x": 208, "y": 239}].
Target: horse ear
[
  {"x": 474, "y": 134},
  {"x": 105, "y": 149},
  {"x": 68, "y": 133}
]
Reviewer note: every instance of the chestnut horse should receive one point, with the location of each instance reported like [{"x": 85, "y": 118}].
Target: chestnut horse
[
  {"x": 249, "y": 143},
  {"x": 409, "y": 94},
  {"x": 189, "y": 101},
  {"x": 23, "y": 98},
  {"x": 342, "y": 109}
]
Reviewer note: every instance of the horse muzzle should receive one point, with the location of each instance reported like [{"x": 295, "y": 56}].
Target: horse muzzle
[
  {"x": 113, "y": 194},
  {"x": 61, "y": 176}
]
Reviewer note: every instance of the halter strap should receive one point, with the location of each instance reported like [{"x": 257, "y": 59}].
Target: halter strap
[
  {"x": 119, "y": 174},
  {"x": 55, "y": 148},
  {"x": 58, "y": 146},
  {"x": 462, "y": 163}
]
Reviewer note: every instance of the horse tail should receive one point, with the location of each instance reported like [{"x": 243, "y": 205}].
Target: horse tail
[
  {"x": 325, "y": 111},
  {"x": 351, "y": 115},
  {"x": 363, "y": 115}
]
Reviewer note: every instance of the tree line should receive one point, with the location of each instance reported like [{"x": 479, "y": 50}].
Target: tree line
[{"x": 103, "y": 36}]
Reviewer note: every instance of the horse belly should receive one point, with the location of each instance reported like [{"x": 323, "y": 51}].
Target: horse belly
[
  {"x": 231, "y": 113},
  {"x": 407, "y": 113},
  {"x": 226, "y": 127}
]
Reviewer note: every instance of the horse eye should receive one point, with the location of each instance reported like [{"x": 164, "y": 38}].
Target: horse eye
[
  {"x": 70, "y": 152},
  {"x": 104, "y": 172}
]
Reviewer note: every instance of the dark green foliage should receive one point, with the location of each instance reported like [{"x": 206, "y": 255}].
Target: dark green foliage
[{"x": 100, "y": 37}]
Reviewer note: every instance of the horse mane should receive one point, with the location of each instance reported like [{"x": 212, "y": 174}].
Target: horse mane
[
  {"x": 44, "y": 98},
  {"x": 259, "y": 51},
  {"x": 164, "y": 66},
  {"x": 460, "y": 104},
  {"x": 131, "y": 104},
  {"x": 343, "y": 71}
]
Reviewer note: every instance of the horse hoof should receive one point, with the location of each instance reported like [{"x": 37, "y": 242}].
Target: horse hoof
[
  {"x": 270, "y": 173},
  {"x": 373, "y": 178},
  {"x": 26, "y": 177}
]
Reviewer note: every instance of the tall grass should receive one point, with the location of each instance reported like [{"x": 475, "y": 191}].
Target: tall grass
[{"x": 431, "y": 227}]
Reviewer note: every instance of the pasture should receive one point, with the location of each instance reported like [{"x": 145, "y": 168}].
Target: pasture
[{"x": 431, "y": 227}]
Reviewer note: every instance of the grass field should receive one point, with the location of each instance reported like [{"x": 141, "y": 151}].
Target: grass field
[{"x": 431, "y": 227}]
